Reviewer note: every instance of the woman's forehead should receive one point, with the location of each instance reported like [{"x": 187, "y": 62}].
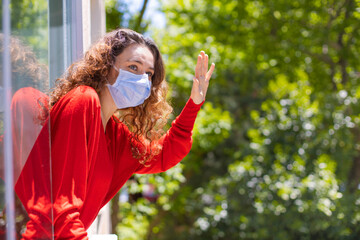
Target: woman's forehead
[{"x": 137, "y": 53}]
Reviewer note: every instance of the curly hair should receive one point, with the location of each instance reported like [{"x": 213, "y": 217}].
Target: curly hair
[
  {"x": 146, "y": 121},
  {"x": 26, "y": 69}
]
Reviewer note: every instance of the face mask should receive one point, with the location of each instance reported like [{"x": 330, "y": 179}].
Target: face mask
[{"x": 129, "y": 89}]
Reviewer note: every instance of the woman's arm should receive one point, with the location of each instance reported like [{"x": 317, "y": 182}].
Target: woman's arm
[{"x": 177, "y": 141}]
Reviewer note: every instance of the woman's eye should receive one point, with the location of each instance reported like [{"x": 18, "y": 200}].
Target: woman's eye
[
  {"x": 149, "y": 74},
  {"x": 133, "y": 67}
]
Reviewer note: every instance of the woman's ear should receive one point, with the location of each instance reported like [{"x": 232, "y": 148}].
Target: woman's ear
[{"x": 112, "y": 76}]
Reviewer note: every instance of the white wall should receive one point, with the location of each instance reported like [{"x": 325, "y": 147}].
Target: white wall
[{"x": 94, "y": 23}]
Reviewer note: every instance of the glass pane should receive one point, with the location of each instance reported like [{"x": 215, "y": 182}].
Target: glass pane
[{"x": 28, "y": 46}]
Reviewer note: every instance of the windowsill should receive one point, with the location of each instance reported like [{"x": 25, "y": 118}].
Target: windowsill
[{"x": 103, "y": 237}]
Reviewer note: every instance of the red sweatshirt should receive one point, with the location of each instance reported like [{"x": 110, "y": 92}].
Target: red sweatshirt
[{"x": 88, "y": 166}]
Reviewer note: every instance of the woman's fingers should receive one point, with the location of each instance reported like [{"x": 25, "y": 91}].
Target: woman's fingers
[
  {"x": 202, "y": 77},
  {"x": 205, "y": 64},
  {"x": 198, "y": 66},
  {"x": 210, "y": 72},
  {"x": 202, "y": 66}
]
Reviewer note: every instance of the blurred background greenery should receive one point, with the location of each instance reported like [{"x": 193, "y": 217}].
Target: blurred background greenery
[{"x": 276, "y": 152}]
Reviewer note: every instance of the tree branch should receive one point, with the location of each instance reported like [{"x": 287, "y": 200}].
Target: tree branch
[
  {"x": 114, "y": 212},
  {"x": 342, "y": 61},
  {"x": 354, "y": 173},
  {"x": 139, "y": 20}
]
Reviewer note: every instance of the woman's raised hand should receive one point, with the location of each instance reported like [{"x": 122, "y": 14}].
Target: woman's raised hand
[{"x": 201, "y": 79}]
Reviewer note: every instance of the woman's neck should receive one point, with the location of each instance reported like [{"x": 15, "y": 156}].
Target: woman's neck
[{"x": 108, "y": 107}]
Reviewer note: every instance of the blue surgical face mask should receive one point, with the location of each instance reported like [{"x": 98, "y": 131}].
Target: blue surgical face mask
[{"x": 129, "y": 89}]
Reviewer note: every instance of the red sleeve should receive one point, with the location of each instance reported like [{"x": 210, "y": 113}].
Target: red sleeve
[
  {"x": 75, "y": 130},
  {"x": 28, "y": 114},
  {"x": 29, "y": 109},
  {"x": 176, "y": 143}
]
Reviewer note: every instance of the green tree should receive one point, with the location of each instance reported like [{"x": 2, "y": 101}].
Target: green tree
[
  {"x": 118, "y": 15},
  {"x": 276, "y": 150},
  {"x": 29, "y": 22},
  {"x": 290, "y": 170}
]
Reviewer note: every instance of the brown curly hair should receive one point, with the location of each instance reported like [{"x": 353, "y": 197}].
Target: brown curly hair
[
  {"x": 26, "y": 70},
  {"x": 145, "y": 121}
]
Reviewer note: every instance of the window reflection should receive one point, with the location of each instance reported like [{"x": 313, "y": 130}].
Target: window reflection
[{"x": 29, "y": 113}]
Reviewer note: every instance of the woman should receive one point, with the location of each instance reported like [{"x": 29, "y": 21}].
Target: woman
[{"x": 93, "y": 153}]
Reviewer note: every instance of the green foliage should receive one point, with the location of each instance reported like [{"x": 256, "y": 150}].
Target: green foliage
[
  {"x": 29, "y": 22},
  {"x": 119, "y": 16},
  {"x": 213, "y": 125},
  {"x": 134, "y": 222},
  {"x": 276, "y": 146},
  {"x": 115, "y": 13}
]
